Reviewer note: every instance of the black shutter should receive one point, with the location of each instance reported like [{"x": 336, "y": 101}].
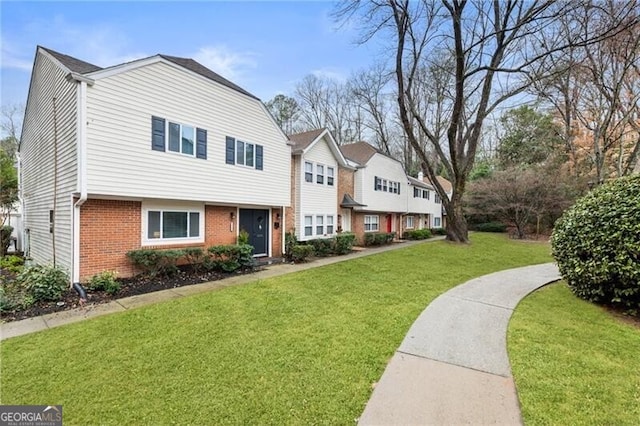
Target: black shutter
[
  {"x": 258, "y": 157},
  {"x": 157, "y": 133},
  {"x": 231, "y": 150},
  {"x": 375, "y": 183},
  {"x": 201, "y": 144},
  {"x": 399, "y": 188}
]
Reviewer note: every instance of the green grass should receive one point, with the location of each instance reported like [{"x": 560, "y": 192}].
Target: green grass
[
  {"x": 304, "y": 348},
  {"x": 573, "y": 362}
]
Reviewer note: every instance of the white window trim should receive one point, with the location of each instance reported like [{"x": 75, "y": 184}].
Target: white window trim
[
  {"x": 314, "y": 225},
  {"x": 171, "y": 207},
  {"x": 332, "y": 176},
  {"x": 304, "y": 173},
  {"x": 439, "y": 219},
  {"x": 412, "y": 222},
  {"x": 377, "y": 223},
  {"x": 244, "y": 154},
  {"x": 167, "y": 122}
]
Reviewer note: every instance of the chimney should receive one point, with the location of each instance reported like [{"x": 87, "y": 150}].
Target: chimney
[{"x": 420, "y": 176}]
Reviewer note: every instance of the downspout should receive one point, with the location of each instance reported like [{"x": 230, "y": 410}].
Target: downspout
[{"x": 81, "y": 181}]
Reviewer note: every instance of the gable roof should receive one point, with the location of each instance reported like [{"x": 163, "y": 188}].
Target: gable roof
[
  {"x": 198, "y": 68},
  {"x": 417, "y": 182},
  {"x": 446, "y": 185},
  {"x": 81, "y": 67},
  {"x": 302, "y": 140},
  {"x": 74, "y": 64},
  {"x": 360, "y": 152}
]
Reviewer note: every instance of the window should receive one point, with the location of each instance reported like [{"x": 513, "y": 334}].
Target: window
[
  {"x": 330, "y": 176},
  {"x": 176, "y": 137},
  {"x": 377, "y": 184},
  {"x": 308, "y": 171},
  {"x": 409, "y": 221},
  {"x": 181, "y": 138},
  {"x": 329, "y": 224},
  {"x": 425, "y": 194},
  {"x": 436, "y": 222},
  {"x": 437, "y": 199},
  {"x": 319, "y": 225},
  {"x": 385, "y": 186},
  {"x": 173, "y": 224},
  {"x": 243, "y": 153},
  {"x": 308, "y": 226},
  {"x": 416, "y": 192},
  {"x": 320, "y": 174},
  {"x": 371, "y": 223}
]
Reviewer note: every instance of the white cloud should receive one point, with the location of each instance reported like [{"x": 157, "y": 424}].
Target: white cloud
[
  {"x": 14, "y": 57},
  {"x": 230, "y": 64},
  {"x": 103, "y": 45},
  {"x": 330, "y": 73}
]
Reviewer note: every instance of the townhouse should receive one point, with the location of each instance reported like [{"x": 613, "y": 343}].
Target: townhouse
[
  {"x": 160, "y": 152},
  {"x": 164, "y": 153}
]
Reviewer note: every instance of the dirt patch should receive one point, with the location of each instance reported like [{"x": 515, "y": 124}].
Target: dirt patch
[
  {"x": 621, "y": 316},
  {"x": 130, "y": 287}
]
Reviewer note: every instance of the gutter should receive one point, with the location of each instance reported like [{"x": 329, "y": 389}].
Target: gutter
[{"x": 82, "y": 171}]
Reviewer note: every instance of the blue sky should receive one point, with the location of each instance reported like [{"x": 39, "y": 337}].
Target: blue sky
[{"x": 265, "y": 47}]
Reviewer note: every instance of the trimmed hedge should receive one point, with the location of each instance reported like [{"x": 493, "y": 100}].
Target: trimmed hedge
[
  {"x": 322, "y": 247},
  {"x": 379, "y": 238},
  {"x": 417, "y": 234},
  {"x": 301, "y": 252},
  {"x": 155, "y": 262},
  {"x": 438, "y": 231},
  {"x": 596, "y": 244},
  {"x": 344, "y": 243},
  {"x": 231, "y": 257}
]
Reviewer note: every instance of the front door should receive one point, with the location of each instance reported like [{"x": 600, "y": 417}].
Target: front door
[
  {"x": 389, "y": 222},
  {"x": 256, "y": 223}
]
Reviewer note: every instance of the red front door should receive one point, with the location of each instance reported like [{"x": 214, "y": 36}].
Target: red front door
[{"x": 389, "y": 219}]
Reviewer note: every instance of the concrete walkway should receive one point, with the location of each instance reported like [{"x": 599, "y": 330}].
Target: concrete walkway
[
  {"x": 452, "y": 367},
  {"x": 32, "y": 325}
]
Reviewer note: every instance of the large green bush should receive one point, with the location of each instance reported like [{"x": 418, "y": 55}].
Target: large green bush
[
  {"x": 344, "y": 243},
  {"x": 156, "y": 262},
  {"x": 43, "y": 282},
  {"x": 417, "y": 234},
  {"x": 596, "y": 244}
]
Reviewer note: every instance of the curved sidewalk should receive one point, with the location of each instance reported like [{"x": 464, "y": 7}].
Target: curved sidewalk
[{"x": 452, "y": 367}]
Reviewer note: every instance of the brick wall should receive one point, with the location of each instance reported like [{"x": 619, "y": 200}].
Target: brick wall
[
  {"x": 345, "y": 183},
  {"x": 276, "y": 234},
  {"x": 219, "y": 228},
  {"x": 108, "y": 230}
]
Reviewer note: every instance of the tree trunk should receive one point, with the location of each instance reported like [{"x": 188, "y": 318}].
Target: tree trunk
[{"x": 457, "y": 230}]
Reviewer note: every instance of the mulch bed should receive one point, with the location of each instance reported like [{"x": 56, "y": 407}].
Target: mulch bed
[{"x": 130, "y": 287}]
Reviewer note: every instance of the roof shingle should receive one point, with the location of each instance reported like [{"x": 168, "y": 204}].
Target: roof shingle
[
  {"x": 360, "y": 152},
  {"x": 304, "y": 139},
  {"x": 74, "y": 64}
]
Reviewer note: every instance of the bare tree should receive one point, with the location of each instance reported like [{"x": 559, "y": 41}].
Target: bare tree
[
  {"x": 595, "y": 89},
  {"x": 370, "y": 89},
  {"x": 494, "y": 45},
  {"x": 10, "y": 123},
  {"x": 519, "y": 197},
  {"x": 326, "y": 103},
  {"x": 285, "y": 111}
]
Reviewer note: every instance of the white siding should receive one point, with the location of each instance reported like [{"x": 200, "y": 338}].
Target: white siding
[
  {"x": 122, "y": 163},
  {"x": 38, "y": 166},
  {"x": 421, "y": 205},
  {"x": 316, "y": 199},
  {"x": 386, "y": 168}
]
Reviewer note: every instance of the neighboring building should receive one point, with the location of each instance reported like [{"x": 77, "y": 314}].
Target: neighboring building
[
  {"x": 423, "y": 210},
  {"x": 380, "y": 187},
  {"x": 315, "y": 164},
  {"x": 159, "y": 152},
  {"x": 448, "y": 189}
]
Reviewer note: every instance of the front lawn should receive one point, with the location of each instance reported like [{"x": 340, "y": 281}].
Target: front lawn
[
  {"x": 573, "y": 362},
  {"x": 304, "y": 348}
]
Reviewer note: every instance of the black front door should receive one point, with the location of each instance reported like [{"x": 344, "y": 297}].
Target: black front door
[{"x": 256, "y": 223}]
